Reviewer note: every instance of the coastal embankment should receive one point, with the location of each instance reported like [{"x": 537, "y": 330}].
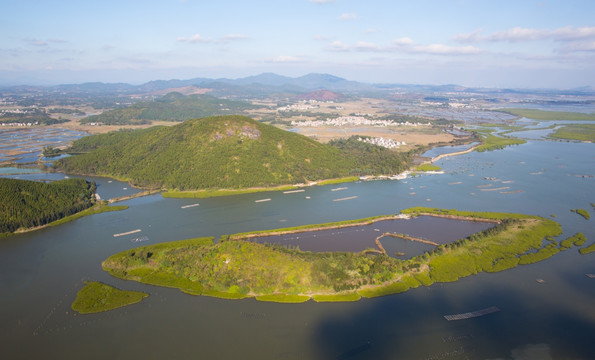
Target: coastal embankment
[
  {"x": 133, "y": 196},
  {"x": 442, "y": 156}
]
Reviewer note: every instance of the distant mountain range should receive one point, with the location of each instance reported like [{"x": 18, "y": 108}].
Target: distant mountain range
[{"x": 267, "y": 84}]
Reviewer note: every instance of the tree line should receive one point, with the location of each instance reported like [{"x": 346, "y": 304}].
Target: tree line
[{"x": 28, "y": 204}]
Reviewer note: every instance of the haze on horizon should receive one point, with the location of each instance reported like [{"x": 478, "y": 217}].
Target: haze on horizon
[{"x": 523, "y": 44}]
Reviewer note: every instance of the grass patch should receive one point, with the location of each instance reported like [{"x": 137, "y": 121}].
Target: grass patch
[
  {"x": 97, "y": 209},
  {"x": 283, "y": 298},
  {"x": 338, "y": 181},
  {"x": 280, "y": 231},
  {"x": 493, "y": 142},
  {"x": 337, "y": 297},
  {"x": 580, "y": 132},
  {"x": 97, "y": 297},
  {"x": 428, "y": 167},
  {"x": 224, "y": 294},
  {"x": 548, "y": 115},
  {"x": 201, "y": 194},
  {"x": 543, "y": 253},
  {"x": 420, "y": 210},
  {"x": 398, "y": 287},
  {"x": 582, "y": 212},
  {"x": 587, "y": 250},
  {"x": 577, "y": 239}
]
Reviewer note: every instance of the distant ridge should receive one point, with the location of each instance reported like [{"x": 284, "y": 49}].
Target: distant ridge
[
  {"x": 320, "y": 95},
  {"x": 267, "y": 84}
]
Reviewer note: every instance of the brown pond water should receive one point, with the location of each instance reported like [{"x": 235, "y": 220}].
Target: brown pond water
[{"x": 361, "y": 237}]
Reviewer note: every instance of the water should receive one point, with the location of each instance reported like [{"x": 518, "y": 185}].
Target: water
[
  {"x": 542, "y": 130},
  {"x": 362, "y": 237},
  {"x": 447, "y": 150},
  {"x": 40, "y": 273},
  {"x": 24, "y": 145}
]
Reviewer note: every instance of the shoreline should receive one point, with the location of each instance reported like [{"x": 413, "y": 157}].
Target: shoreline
[
  {"x": 286, "y": 188},
  {"x": 421, "y": 271},
  {"x": 95, "y": 209},
  {"x": 442, "y": 156}
]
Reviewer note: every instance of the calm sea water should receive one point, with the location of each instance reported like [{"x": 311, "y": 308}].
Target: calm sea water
[{"x": 40, "y": 273}]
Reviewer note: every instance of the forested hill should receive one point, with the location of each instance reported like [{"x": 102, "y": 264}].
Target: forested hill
[
  {"x": 27, "y": 204},
  {"x": 171, "y": 107},
  {"x": 221, "y": 152}
]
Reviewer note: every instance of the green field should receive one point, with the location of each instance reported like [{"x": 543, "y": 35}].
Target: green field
[
  {"x": 428, "y": 167},
  {"x": 493, "y": 142},
  {"x": 234, "y": 268},
  {"x": 548, "y": 115},
  {"x": 97, "y": 297},
  {"x": 201, "y": 194},
  {"x": 580, "y": 132}
]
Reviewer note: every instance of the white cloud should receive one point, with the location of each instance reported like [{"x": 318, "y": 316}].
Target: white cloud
[
  {"x": 366, "y": 46},
  {"x": 338, "y": 46},
  {"x": 58, "y": 41},
  {"x": 578, "y": 46},
  {"x": 406, "y": 45},
  {"x": 287, "y": 59},
  {"x": 472, "y": 37},
  {"x": 402, "y": 41},
  {"x": 348, "y": 16},
  {"x": 569, "y": 33},
  {"x": 233, "y": 37},
  {"x": 372, "y": 31},
  {"x": 571, "y": 39},
  {"x": 35, "y": 42},
  {"x": 518, "y": 34},
  {"x": 441, "y": 49},
  {"x": 196, "y": 38}
]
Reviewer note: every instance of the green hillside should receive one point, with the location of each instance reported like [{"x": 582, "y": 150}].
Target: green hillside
[
  {"x": 222, "y": 152},
  {"x": 172, "y": 107},
  {"x": 27, "y": 204}
]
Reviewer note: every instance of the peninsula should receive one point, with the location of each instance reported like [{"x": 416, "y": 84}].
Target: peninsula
[{"x": 29, "y": 205}]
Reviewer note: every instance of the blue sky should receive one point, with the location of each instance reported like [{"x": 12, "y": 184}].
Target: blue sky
[{"x": 520, "y": 43}]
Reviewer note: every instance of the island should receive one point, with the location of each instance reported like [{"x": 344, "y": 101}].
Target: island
[
  {"x": 29, "y": 205},
  {"x": 97, "y": 297},
  {"x": 236, "y": 267}
]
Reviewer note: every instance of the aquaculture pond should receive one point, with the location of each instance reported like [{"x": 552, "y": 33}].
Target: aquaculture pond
[
  {"x": 361, "y": 237},
  {"x": 25, "y": 145}
]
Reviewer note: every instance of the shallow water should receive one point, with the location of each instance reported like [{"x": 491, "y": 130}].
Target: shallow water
[
  {"x": 359, "y": 238},
  {"x": 447, "y": 150},
  {"x": 40, "y": 273},
  {"x": 28, "y": 143}
]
